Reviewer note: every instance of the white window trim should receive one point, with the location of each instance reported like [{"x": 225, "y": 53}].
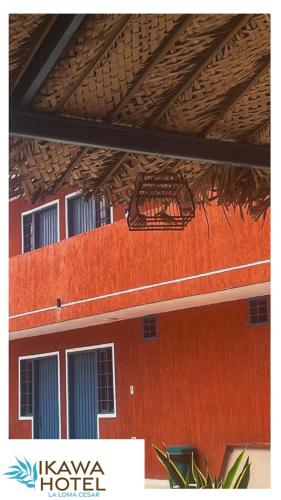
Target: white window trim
[
  {"x": 99, "y": 415},
  {"x": 37, "y": 209},
  {"x": 37, "y": 356},
  {"x": 71, "y": 195}
]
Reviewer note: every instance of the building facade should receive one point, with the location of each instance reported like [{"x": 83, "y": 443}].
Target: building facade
[{"x": 156, "y": 335}]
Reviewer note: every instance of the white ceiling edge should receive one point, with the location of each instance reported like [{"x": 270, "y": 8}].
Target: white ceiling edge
[{"x": 227, "y": 295}]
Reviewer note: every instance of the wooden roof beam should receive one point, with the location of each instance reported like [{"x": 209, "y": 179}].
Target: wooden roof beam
[
  {"x": 88, "y": 133},
  {"x": 50, "y": 21},
  {"x": 45, "y": 58},
  {"x": 210, "y": 54},
  {"x": 157, "y": 56}
]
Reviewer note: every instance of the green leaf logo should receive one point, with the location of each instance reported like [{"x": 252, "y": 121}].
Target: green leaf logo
[{"x": 23, "y": 472}]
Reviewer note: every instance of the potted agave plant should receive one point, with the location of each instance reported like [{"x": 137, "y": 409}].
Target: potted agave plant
[{"x": 196, "y": 479}]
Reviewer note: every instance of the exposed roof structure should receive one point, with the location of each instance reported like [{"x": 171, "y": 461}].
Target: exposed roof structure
[{"x": 95, "y": 99}]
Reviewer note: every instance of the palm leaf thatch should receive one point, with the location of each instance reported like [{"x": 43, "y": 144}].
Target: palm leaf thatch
[{"x": 205, "y": 74}]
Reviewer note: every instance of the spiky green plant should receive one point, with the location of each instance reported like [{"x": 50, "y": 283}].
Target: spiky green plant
[{"x": 197, "y": 480}]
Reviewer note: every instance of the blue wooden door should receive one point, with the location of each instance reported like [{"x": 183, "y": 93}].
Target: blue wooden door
[
  {"x": 45, "y": 398},
  {"x": 82, "y": 395}
]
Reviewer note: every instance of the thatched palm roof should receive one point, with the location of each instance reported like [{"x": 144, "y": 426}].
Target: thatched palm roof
[{"x": 206, "y": 75}]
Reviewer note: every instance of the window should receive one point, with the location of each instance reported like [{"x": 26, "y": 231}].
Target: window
[
  {"x": 26, "y": 389},
  {"x": 149, "y": 330},
  {"x": 40, "y": 227},
  {"x": 105, "y": 380},
  {"x": 259, "y": 310},
  {"x": 84, "y": 215}
]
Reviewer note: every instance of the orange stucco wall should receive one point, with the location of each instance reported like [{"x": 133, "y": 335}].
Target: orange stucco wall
[
  {"x": 111, "y": 259},
  {"x": 204, "y": 380}
]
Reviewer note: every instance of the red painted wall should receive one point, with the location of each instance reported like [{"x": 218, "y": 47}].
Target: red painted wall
[
  {"x": 111, "y": 259},
  {"x": 204, "y": 381}
]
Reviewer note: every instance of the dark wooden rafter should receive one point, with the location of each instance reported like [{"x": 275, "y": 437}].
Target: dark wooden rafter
[
  {"x": 88, "y": 133},
  {"x": 94, "y": 62},
  {"x": 51, "y": 20},
  {"x": 157, "y": 56},
  {"x": 237, "y": 93},
  {"x": 211, "y": 53},
  {"x": 48, "y": 53}
]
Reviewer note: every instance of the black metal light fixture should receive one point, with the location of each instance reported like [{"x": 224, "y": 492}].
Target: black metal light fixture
[{"x": 160, "y": 202}]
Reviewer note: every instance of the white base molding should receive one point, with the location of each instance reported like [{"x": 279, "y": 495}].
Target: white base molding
[{"x": 156, "y": 483}]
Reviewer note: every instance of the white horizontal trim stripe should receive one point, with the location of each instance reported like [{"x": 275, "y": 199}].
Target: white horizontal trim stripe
[{"x": 146, "y": 287}]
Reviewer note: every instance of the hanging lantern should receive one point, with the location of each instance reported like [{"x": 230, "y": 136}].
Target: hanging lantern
[{"x": 160, "y": 202}]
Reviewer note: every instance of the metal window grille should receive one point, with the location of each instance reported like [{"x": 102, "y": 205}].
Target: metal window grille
[
  {"x": 102, "y": 212},
  {"x": 40, "y": 228},
  {"x": 259, "y": 310},
  {"x": 86, "y": 214},
  {"x": 105, "y": 380},
  {"x": 28, "y": 232},
  {"x": 149, "y": 329},
  {"x": 26, "y": 388}
]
